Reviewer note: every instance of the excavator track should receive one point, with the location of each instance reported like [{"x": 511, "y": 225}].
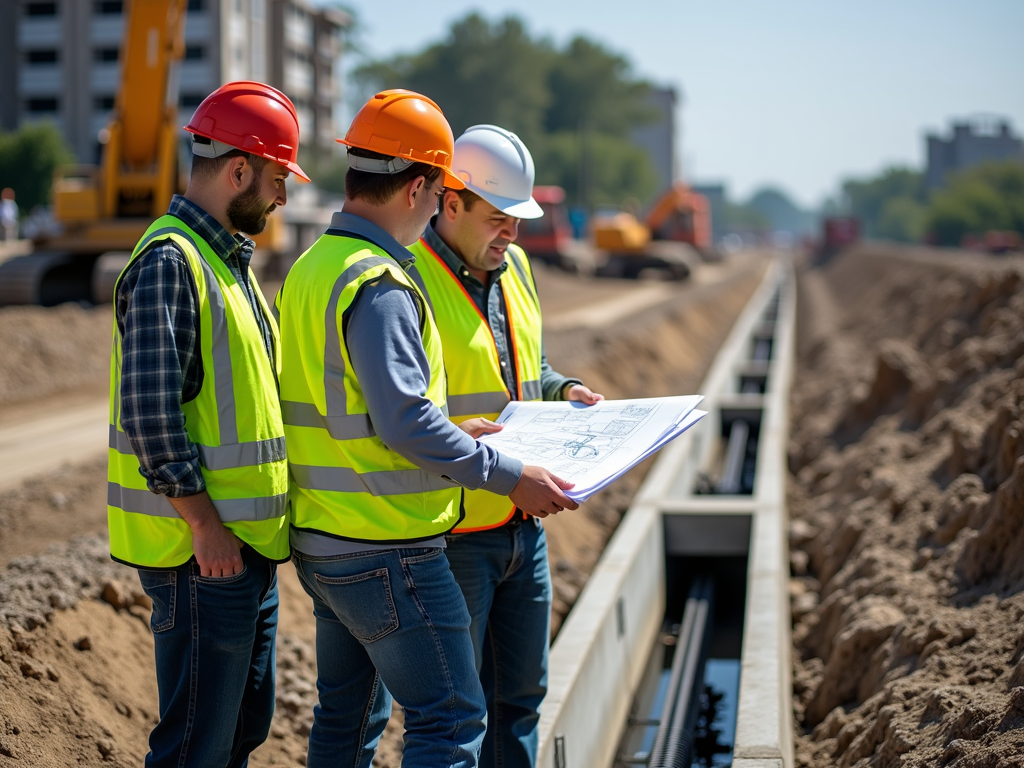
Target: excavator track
[{"x": 46, "y": 278}]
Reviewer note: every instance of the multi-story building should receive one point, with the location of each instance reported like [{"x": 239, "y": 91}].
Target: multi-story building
[
  {"x": 59, "y": 61},
  {"x": 983, "y": 139},
  {"x": 658, "y": 137}
]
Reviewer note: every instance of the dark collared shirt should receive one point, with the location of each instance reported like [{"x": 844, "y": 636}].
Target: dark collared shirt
[
  {"x": 490, "y": 300},
  {"x": 157, "y": 313}
]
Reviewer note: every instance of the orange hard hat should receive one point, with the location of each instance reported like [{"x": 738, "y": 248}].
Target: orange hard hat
[
  {"x": 406, "y": 126},
  {"x": 249, "y": 116}
]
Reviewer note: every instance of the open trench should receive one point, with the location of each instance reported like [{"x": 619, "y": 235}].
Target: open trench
[
  {"x": 75, "y": 647},
  {"x": 906, "y": 500}
]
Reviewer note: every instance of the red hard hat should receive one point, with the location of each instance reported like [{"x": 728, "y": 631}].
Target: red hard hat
[{"x": 252, "y": 117}]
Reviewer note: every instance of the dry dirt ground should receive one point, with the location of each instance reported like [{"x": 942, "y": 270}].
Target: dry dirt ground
[
  {"x": 76, "y": 669},
  {"x": 907, "y": 511}
]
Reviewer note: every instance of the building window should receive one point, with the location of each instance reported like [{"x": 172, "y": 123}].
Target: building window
[
  {"x": 194, "y": 52},
  {"x": 42, "y": 104},
  {"x": 49, "y": 56},
  {"x": 239, "y": 6},
  {"x": 103, "y": 103},
  {"x": 239, "y": 56},
  {"x": 190, "y": 100},
  {"x": 41, "y": 9},
  {"x": 105, "y": 54},
  {"x": 195, "y": 5},
  {"x": 109, "y": 7}
]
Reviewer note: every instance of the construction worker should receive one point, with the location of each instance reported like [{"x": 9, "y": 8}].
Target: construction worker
[
  {"x": 484, "y": 297},
  {"x": 375, "y": 464},
  {"x": 198, "y": 478}
]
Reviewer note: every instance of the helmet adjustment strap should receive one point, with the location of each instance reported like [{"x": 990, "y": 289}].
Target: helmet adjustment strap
[{"x": 391, "y": 166}]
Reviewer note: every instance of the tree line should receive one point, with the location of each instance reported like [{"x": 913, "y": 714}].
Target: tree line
[
  {"x": 575, "y": 105},
  {"x": 895, "y": 205}
]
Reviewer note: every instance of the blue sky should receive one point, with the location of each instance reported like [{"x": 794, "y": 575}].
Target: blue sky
[{"x": 793, "y": 93}]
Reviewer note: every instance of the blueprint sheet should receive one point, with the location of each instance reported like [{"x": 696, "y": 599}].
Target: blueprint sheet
[{"x": 592, "y": 445}]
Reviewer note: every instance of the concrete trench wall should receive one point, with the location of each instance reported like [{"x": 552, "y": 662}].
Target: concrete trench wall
[{"x": 601, "y": 652}]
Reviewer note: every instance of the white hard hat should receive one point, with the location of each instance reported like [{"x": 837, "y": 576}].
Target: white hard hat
[{"x": 495, "y": 164}]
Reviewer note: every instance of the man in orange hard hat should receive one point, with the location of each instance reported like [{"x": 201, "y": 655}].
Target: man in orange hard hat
[
  {"x": 377, "y": 469},
  {"x": 198, "y": 478}
]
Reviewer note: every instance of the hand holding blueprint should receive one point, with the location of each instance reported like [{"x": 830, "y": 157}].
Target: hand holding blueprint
[{"x": 592, "y": 445}]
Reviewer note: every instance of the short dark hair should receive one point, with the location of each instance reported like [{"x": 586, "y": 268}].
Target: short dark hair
[
  {"x": 208, "y": 167},
  {"x": 468, "y": 197},
  {"x": 379, "y": 188}
]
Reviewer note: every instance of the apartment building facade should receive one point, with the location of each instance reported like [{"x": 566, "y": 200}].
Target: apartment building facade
[{"x": 59, "y": 61}]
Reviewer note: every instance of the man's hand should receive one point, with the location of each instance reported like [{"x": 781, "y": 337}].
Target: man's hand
[
  {"x": 480, "y": 426},
  {"x": 217, "y": 550},
  {"x": 581, "y": 394},
  {"x": 540, "y": 493}
]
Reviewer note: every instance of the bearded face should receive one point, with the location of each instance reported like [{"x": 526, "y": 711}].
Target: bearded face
[{"x": 248, "y": 210}]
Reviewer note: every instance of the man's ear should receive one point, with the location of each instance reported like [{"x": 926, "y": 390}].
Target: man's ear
[
  {"x": 237, "y": 167},
  {"x": 450, "y": 204},
  {"x": 413, "y": 188}
]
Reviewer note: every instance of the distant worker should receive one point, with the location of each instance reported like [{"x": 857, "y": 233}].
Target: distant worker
[
  {"x": 8, "y": 215},
  {"x": 376, "y": 466},
  {"x": 198, "y": 476},
  {"x": 482, "y": 290}
]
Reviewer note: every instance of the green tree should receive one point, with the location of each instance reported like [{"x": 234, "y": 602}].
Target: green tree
[
  {"x": 481, "y": 73},
  {"x": 595, "y": 169},
  {"x": 902, "y": 219},
  {"x": 573, "y": 107},
  {"x": 743, "y": 218},
  {"x": 781, "y": 213},
  {"x": 867, "y": 198},
  {"x": 28, "y": 158},
  {"x": 987, "y": 197},
  {"x": 592, "y": 89}
]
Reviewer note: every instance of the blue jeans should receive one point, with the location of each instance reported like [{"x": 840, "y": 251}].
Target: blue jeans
[
  {"x": 392, "y": 622},
  {"x": 214, "y": 640},
  {"x": 504, "y": 576}
]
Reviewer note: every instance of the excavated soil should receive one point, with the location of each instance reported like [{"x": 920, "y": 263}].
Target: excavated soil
[
  {"x": 907, "y": 511},
  {"x": 76, "y": 670}
]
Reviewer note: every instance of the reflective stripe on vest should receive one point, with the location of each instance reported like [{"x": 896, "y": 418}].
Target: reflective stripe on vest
[
  {"x": 346, "y": 482},
  {"x": 245, "y": 479},
  {"x": 475, "y": 383}
]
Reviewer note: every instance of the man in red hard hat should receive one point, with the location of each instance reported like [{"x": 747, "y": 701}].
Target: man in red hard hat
[
  {"x": 197, "y": 491},
  {"x": 377, "y": 469}
]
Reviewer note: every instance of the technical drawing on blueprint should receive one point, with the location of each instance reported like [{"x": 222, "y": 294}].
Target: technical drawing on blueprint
[{"x": 590, "y": 445}]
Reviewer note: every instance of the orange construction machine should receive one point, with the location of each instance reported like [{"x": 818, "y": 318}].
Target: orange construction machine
[{"x": 674, "y": 236}]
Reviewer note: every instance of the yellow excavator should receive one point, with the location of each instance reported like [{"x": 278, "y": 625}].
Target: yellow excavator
[{"x": 103, "y": 211}]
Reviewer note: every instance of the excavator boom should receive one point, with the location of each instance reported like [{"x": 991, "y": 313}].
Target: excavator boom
[{"x": 106, "y": 209}]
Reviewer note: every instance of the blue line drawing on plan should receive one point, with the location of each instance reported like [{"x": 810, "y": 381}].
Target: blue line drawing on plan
[{"x": 573, "y": 440}]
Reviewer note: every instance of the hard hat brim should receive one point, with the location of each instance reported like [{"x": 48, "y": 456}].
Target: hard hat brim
[
  {"x": 520, "y": 209},
  {"x": 294, "y": 168},
  {"x": 453, "y": 182}
]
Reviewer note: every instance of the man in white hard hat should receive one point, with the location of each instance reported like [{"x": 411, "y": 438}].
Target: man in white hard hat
[{"x": 484, "y": 299}]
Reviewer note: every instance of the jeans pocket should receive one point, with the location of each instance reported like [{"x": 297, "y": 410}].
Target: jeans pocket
[
  {"x": 363, "y": 602},
  {"x": 162, "y": 588},
  {"x": 422, "y": 555},
  {"x": 214, "y": 580}
]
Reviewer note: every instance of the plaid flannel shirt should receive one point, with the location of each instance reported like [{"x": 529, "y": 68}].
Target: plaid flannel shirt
[{"x": 156, "y": 309}]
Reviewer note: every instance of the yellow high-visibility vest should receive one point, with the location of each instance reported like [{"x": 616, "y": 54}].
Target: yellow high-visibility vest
[
  {"x": 346, "y": 482},
  {"x": 234, "y": 421},
  {"x": 475, "y": 385}
]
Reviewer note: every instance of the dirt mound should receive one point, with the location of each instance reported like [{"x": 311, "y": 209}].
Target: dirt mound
[
  {"x": 907, "y": 504},
  {"x": 47, "y": 351}
]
